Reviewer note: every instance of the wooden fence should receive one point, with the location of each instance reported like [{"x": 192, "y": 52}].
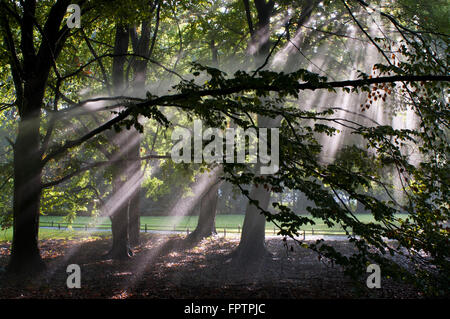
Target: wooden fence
[{"x": 182, "y": 229}]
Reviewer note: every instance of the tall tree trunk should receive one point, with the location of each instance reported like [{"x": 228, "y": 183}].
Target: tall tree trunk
[
  {"x": 252, "y": 243},
  {"x": 206, "y": 225},
  {"x": 119, "y": 218},
  {"x": 134, "y": 164},
  {"x": 25, "y": 256},
  {"x": 30, "y": 87},
  {"x": 134, "y": 172},
  {"x": 141, "y": 47},
  {"x": 119, "y": 215}
]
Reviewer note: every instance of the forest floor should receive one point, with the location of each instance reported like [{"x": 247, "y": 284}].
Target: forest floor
[{"x": 163, "y": 267}]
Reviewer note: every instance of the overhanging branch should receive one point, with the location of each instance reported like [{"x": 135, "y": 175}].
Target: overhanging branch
[
  {"x": 250, "y": 86},
  {"x": 96, "y": 165}
]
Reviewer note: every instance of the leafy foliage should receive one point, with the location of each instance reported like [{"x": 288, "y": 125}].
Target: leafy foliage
[{"x": 361, "y": 177}]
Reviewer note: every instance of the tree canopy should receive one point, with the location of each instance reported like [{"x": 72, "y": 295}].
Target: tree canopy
[{"x": 357, "y": 90}]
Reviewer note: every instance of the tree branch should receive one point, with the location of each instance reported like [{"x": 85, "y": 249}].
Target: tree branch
[
  {"x": 253, "y": 85},
  {"x": 96, "y": 165},
  {"x": 249, "y": 17}
]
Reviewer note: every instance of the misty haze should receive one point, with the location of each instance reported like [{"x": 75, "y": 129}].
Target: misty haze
[{"x": 248, "y": 149}]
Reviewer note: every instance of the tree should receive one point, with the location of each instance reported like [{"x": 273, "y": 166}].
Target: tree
[
  {"x": 252, "y": 243},
  {"x": 30, "y": 75},
  {"x": 206, "y": 225},
  {"x": 416, "y": 73}
]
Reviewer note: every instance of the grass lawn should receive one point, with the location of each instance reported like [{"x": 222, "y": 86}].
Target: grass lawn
[
  {"x": 89, "y": 226},
  {"x": 48, "y": 233},
  {"x": 230, "y": 222}
]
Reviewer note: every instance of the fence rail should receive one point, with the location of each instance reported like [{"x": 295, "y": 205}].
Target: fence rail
[{"x": 175, "y": 228}]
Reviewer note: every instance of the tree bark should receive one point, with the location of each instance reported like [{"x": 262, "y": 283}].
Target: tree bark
[
  {"x": 30, "y": 75},
  {"x": 206, "y": 225},
  {"x": 25, "y": 256},
  {"x": 252, "y": 243},
  {"x": 119, "y": 208},
  {"x": 119, "y": 219},
  {"x": 134, "y": 172},
  {"x": 141, "y": 46}
]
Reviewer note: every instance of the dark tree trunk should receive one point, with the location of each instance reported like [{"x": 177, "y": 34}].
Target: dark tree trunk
[
  {"x": 119, "y": 215},
  {"x": 206, "y": 225},
  {"x": 252, "y": 244},
  {"x": 134, "y": 173},
  {"x": 134, "y": 220},
  {"x": 120, "y": 48},
  {"x": 25, "y": 256},
  {"x": 140, "y": 47},
  {"x": 30, "y": 74},
  {"x": 119, "y": 221},
  {"x": 214, "y": 53},
  {"x": 134, "y": 164},
  {"x": 120, "y": 248}
]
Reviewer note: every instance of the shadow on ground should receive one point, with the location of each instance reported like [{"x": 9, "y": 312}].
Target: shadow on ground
[{"x": 165, "y": 267}]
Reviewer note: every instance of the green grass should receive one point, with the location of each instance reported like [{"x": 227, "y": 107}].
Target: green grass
[
  {"x": 46, "y": 233},
  {"x": 230, "y": 223}
]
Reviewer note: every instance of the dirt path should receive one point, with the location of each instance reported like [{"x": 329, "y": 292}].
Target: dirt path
[{"x": 162, "y": 268}]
